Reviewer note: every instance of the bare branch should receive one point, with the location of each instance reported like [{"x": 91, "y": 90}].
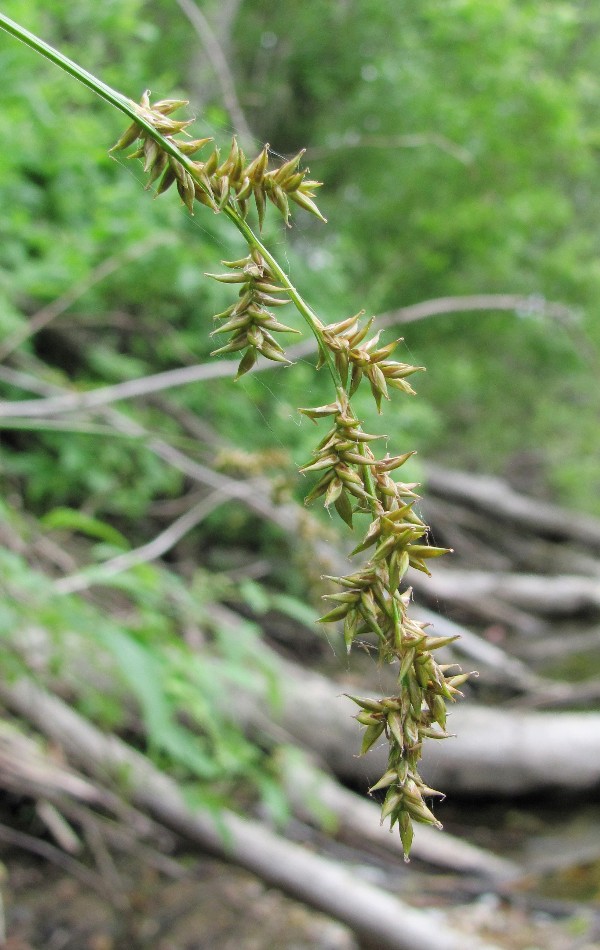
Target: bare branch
[
  {"x": 555, "y": 595},
  {"x": 98, "y": 574},
  {"x": 500, "y": 665},
  {"x": 486, "y": 493},
  {"x": 105, "y": 395},
  {"x": 57, "y": 425},
  {"x": 532, "y": 305},
  {"x": 103, "y": 859},
  {"x": 27, "y": 381},
  {"x": 58, "y": 826}
]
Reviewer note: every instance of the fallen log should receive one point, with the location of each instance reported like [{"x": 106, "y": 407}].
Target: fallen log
[
  {"x": 494, "y": 495},
  {"x": 500, "y": 667},
  {"x": 495, "y": 752},
  {"x": 311, "y": 792},
  {"x": 582, "y": 693},
  {"x": 353, "y": 814},
  {"x": 569, "y": 641},
  {"x": 468, "y": 532},
  {"x": 373, "y": 914},
  {"x": 549, "y": 596},
  {"x": 491, "y": 543}
]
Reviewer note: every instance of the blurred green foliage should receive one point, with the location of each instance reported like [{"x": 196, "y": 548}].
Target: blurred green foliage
[
  {"x": 125, "y": 650},
  {"x": 459, "y": 146}
]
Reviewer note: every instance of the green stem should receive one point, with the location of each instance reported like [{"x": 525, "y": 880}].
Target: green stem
[
  {"x": 110, "y": 95},
  {"x": 370, "y": 483},
  {"x": 131, "y": 110},
  {"x": 78, "y": 72}
]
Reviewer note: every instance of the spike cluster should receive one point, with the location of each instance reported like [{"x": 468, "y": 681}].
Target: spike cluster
[
  {"x": 249, "y": 321},
  {"x": 357, "y": 356},
  {"x": 255, "y": 180},
  {"x": 417, "y": 713},
  {"x": 215, "y": 182},
  {"x": 345, "y": 462},
  {"x": 371, "y": 603}
]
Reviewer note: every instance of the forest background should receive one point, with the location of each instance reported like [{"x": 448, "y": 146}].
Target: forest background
[{"x": 459, "y": 143}]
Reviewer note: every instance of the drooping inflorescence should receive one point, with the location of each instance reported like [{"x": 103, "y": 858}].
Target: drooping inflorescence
[{"x": 370, "y": 601}]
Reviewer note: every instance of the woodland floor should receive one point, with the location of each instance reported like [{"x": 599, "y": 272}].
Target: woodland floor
[
  {"x": 224, "y": 907},
  {"x": 216, "y": 905},
  {"x": 532, "y": 603}
]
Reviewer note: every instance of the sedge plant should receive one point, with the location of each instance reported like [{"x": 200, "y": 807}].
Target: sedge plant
[{"x": 349, "y": 476}]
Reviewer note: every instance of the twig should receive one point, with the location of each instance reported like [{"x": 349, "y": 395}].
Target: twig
[
  {"x": 22, "y": 380},
  {"x": 124, "y": 838},
  {"x": 58, "y": 827},
  {"x": 225, "y": 14},
  {"x": 105, "y": 395},
  {"x": 56, "y": 425},
  {"x": 19, "y": 839},
  {"x": 97, "y": 574},
  {"x": 49, "y": 313},
  {"x": 220, "y": 65},
  {"x": 532, "y": 305},
  {"x": 104, "y": 862},
  {"x": 46, "y": 548}
]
